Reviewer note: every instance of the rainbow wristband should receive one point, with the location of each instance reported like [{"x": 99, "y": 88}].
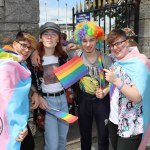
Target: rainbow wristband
[{"x": 121, "y": 86}]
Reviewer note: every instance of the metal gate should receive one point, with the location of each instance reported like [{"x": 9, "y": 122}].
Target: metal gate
[{"x": 111, "y": 14}]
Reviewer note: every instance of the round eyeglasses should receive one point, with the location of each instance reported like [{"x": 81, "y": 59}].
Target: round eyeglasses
[{"x": 25, "y": 46}]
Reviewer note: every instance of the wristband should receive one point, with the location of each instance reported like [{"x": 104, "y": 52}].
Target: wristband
[{"x": 121, "y": 86}]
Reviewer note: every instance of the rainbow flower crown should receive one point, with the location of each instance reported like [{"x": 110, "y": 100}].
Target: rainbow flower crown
[{"x": 91, "y": 29}]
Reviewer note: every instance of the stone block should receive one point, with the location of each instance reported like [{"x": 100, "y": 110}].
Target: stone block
[
  {"x": 145, "y": 9},
  {"x": 9, "y": 27},
  {"x": 22, "y": 11},
  {"x": 144, "y": 30},
  {"x": 144, "y": 46},
  {"x": 16, "y": 15},
  {"x": 1, "y": 13},
  {"x": 1, "y": 3},
  {"x": 7, "y": 37},
  {"x": 32, "y": 28}
]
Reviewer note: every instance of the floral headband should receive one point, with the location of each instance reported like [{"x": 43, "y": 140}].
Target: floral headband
[
  {"x": 91, "y": 29},
  {"x": 129, "y": 32}
]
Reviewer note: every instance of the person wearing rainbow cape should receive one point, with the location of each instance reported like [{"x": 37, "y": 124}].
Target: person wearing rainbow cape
[
  {"x": 15, "y": 84},
  {"x": 90, "y": 36},
  {"x": 129, "y": 79}
]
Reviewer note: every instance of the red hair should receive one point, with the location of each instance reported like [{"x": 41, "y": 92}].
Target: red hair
[{"x": 58, "y": 49}]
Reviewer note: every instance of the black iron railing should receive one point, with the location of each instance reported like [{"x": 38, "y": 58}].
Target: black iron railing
[{"x": 114, "y": 14}]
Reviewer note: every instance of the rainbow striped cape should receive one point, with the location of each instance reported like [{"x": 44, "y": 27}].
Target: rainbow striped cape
[
  {"x": 137, "y": 66},
  {"x": 15, "y": 83}
]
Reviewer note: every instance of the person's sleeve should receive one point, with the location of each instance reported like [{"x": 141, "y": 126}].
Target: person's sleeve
[{"x": 73, "y": 53}]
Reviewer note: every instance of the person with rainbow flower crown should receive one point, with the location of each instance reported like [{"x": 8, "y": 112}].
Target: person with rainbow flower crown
[{"x": 90, "y": 36}]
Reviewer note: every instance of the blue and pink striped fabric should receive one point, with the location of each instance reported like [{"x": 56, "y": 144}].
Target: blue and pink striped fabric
[
  {"x": 15, "y": 83},
  {"x": 137, "y": 66}
]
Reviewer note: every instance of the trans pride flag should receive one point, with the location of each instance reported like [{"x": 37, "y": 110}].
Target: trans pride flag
[
  {"x": 15, "y": 83},
  {"x": 137, "y": 66}
]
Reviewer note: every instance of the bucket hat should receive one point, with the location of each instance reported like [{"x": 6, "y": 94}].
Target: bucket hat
[{"x": 50, "y": 26}]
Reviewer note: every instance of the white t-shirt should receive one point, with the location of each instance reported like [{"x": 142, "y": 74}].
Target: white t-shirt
[
  {"x": 113, "y": 117},
  {"x": 50, "y": 83}
]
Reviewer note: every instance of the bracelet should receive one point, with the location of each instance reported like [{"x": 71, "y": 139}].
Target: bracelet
[{"x": 121, "y": 86}]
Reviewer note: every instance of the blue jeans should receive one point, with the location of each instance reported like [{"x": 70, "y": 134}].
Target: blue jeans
[{"x": 56, "y": 130}]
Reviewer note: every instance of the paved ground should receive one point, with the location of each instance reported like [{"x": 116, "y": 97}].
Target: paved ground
[{"x": 73, "y": 140}]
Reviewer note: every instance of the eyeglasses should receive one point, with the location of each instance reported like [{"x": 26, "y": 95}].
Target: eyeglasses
[
  {"x": 51, "y": 34},
  {"x": 25, "y": 46},
  {"x": 117, "y": 44}
]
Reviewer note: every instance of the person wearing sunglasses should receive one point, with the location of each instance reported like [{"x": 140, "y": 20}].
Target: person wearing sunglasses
[
  {"x": 15, "y": 79},
  {"x": 129, "y": 79}
]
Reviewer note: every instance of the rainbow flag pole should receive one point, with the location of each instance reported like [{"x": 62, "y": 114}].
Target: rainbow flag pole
[
  {"x": 101, "y": 73},
  {"x": 62, "y": 115}
]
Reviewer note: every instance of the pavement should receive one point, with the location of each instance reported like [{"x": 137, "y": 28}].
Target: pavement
[{"x": 73, "y": 139}]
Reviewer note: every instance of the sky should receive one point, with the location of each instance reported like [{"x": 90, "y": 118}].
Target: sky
[{"x": 49, "y": 10}]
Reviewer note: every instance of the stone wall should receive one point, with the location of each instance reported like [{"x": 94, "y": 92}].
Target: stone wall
[
  {"x": 144, "y": 27},
  {"x": 16, "y": 15}
]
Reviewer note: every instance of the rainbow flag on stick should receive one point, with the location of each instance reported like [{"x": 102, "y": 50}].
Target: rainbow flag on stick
[
  {"x": 62, "y": 115},
  {"x": 71, "y": 72}
]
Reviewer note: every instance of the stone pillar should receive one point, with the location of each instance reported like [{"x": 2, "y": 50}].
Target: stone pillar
[
  {"x": 144, "y": 27},
  {"x": 16, "y": 15}
]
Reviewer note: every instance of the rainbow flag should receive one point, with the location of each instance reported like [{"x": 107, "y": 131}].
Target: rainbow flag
[
  {"x": 62, "y": 115},
  {"x": 70, "y": 72},
  {"x": 15, "y": 83},
  {"x": 6, "y": 54}
]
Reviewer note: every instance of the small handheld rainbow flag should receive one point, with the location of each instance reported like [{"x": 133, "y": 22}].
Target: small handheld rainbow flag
[
  {"x": 70, "y": 72},
  {"x": 62, "y": 115}
]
